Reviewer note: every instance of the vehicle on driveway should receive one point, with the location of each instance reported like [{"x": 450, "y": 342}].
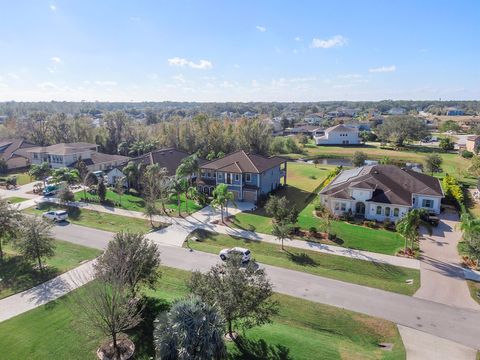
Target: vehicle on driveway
[
  {"x": 56, "y": 215},
  {"x": 432, "y": 219},
  {"x": 51, "y": 190},
  {"x": 245, "y": 253}
]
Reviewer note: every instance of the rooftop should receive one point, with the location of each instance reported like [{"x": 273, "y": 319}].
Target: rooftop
[
  {"x": 63, "y": 148},
  {"x": 242, "y": 162}
]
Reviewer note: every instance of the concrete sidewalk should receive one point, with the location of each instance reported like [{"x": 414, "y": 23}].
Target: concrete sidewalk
[{"x": 48, "y": 291}]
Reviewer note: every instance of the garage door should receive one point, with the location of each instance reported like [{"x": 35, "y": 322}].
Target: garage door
[
  {"x": 250, "y": 196},
  {"x": 235, "y": 193}
]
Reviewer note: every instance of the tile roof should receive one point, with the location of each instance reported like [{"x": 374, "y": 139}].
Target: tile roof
[
  {"x": 341, "y": 127},
  {"x": 390, "y": 184},
  {"x": 241, "y": 162},
  {"x": 63, "y": 148}
]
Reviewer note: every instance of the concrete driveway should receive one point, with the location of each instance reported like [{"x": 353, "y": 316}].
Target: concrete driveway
[{"x": 441, "y": 273}]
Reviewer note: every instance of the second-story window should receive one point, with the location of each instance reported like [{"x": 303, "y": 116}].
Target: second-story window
[
  {"x": 237, "y": 177},
  {"x": 248, "y": 177}
]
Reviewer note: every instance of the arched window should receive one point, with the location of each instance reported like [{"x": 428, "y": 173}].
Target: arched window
[
  {"x": 379, "y": 210},
  {"x": 387, "y": 211},
  {"x": 395, "y": 212}
]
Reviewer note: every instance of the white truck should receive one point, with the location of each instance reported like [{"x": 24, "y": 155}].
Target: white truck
[{"x": 245, "y": 253}]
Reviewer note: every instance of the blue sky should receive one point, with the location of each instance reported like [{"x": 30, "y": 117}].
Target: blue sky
[{"x": 245, "y": 50}]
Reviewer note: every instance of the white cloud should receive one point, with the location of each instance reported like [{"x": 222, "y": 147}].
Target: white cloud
[
  {"x": 48, "y": 85},
  {"x": 106, "y": 83},
  {"x": 297, "y": 38},
  {"x": 261, "y": 28},
  {"x": 56, "y": 59},
  {"x": 202, "y": 64},
  {"x": 53, "y": 7},
  {"x": 349, "y": 76},
  {"x": 335, "y": 41},
  {"x": 180, "y": 78},
  {"x": 383, "y": 69},
  {"x": 14, "y": 76}
]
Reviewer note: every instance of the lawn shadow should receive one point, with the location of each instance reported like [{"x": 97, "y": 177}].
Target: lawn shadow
[
  {"x": 247, "y": 349},
  {"x": 142, "y": 335},
  {"x": 302, "y": 259},
  {"x": 19, "y": 275}
]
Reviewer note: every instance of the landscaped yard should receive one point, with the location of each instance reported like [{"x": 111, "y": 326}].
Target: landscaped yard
[
  {"x": 22, "y": 178},
  {"x": 15, "y": 199},
  {"x": 98, "y": 220},
  {"x": 136, "y": 203},
  {"x": 18, "y": 275},
  {"x": 381, "y": 276},
  {"x": 308, "y": 330},
  {"x": 299, "y": 191}
]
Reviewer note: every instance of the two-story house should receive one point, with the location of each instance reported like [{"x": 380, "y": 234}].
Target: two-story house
[
  {"x": 381, "y": 192},
  {"x": 67, "y": 155},
  {"x": 473, "y": 144},
  {"x": 248, "y": 175},
  {"x": 13, "y": 152},
  {"x": 339, "y": 135}
]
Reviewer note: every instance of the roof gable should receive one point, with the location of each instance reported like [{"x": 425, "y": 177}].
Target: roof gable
[{"x": 242, "y": 162}]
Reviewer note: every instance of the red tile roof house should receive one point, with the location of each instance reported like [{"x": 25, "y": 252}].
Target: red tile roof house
[
  {"x": 67, "y": 155},
  {"x": 248, "y": 176},
  {"x": 378, "y": 192},
  {"x": 13, "y": 151}
]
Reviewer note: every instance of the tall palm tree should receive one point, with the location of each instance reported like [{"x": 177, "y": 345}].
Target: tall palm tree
[
  {"x": 40, "y": 172},
  {"x": 221, "y": 197},
  {"x": 410, "y": 224},
  {"x": 177, "y": 185},
  {"x": 190, "y": 330},
  {"x": 70, "y": 176}
]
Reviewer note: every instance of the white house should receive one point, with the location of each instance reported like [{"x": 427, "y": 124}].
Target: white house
[
  {"x": 380, "y": 192},
  {"x": 114, "y": 175},
  {"x": 396, "y": 111},
  {"x": 67, "y": 155},
  {"x": 339, "y": 135}
]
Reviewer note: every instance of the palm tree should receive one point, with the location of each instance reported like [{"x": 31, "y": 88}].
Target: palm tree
[
  {"x": 188, "y": 167},
  {"x": 409, "y": 225},
  {"x": 221, "y": 197},
  {"x": 132, "y": 172},
  {"x": 176, "y": 188},
  {"x": 469, "y": 224},
  {"x": 40, "y": 172},
  {"x": 190, "y": 330},
  {"x": 70, "y": 176},
  {"x": 119, "y": 188}
]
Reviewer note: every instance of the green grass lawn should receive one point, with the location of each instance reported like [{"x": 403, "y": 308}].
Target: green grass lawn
[
  {"x": 18, "y": 275},
  {"x": 136, "y": 203},
  {"x": 16, "y": 199},
  {"x": 299, "y": 192},
  {"x": 22, "y": 178},
  {"x": 474, "y": 288},
  {"x": 385, "y": 277},
  {"x": 99, "y": 220},
  {"x": 308, "y": 330}
]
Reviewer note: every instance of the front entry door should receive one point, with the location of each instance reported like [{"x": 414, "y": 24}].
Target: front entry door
[
  {"x": 229, "y": 178},
  {"x": 360, "y": 209}
]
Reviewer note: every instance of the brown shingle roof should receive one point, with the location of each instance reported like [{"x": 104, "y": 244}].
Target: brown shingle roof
[
  {"x": 391, "y": 184},
  {"x": 241, "y": 162},
  {"x": 14, "y": 147},
  {"x": 169, "y": 158}
]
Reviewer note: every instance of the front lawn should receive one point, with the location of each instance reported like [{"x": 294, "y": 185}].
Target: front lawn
[
  {"x": 307, "y": 330},
  {"x": 22, "y": 178},
  {"x": 16, "y": 199},
  {"x": 98, "y": 220},
  {"x": 380, "y": 276},
  {"x": 133, "y": 202},
  {"x": 17, "y": 274}
]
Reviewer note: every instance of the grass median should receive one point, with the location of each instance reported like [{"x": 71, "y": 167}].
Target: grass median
[
  {"x": 18, "y": 275},
  {"x": 380, "y": 276},
  {"x": 99, "y": 220},
  {"x": 307, "y": 330}
]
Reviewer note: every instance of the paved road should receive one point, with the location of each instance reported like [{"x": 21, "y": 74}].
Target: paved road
[{"x": 458, "y": 325}]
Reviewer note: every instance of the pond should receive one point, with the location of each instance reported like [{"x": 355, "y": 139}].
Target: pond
[{"x": 332, "y": 161}]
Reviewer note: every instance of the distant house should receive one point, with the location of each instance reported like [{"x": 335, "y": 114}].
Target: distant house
[
  {"x": 308, "y": 130},
  {"x": 68, "y": 155},
  {"x": 473, "y": 143},
  {"x": 452, "y": 111},
  {"x": 248, "y": 175},
  {"x": 313, "y": 119},
  {"x": 168, "y": 159},
  {"x": 381, "y": 192},
  {"x": 13, "y": 151},
  {"x": 113, "y": 175},
  {"x": 397, "y": 111},
  {"x": 339, "y": 135}
]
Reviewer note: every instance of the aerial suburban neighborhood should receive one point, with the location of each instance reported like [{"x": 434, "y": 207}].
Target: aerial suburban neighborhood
[{"x": 244, "y": 181}]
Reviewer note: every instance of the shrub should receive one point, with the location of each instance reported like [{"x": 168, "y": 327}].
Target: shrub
[
  {"x": 370, "y": 224},
  {"x": 313, "y": 229},
  {"x": 467, "y": 154}
]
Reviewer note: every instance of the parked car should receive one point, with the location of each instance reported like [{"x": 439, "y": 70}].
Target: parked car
[
  {"x": 432, "y": 219},
  {"x": 51, "y": 190},
  {"x": 56, "y": 215},
  {"x": 225, "y": 253}
]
